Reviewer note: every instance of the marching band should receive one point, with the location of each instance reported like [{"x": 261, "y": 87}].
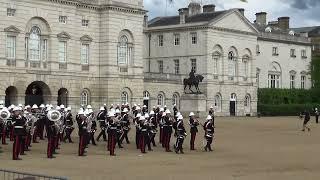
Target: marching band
[{"x": 25, "y": 125}]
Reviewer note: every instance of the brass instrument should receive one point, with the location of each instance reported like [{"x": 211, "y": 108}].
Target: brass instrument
[{"x": 55, "y": 116}]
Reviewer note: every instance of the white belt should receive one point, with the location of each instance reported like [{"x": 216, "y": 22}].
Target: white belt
[{"x": 19, "y": 127}]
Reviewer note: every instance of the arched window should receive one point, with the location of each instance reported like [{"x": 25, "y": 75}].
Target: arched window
[
  {"x": 216, "y": 56},
  {"x": 233, "y": 97},
  {"x": 146, "y": 95},
  {"x": 245, "y": 61},
  {"x": 124, "y": 51},
  {"x": 160, "y": 100},
  {"x": 124, "y": 97},
  {"x": 218, "y": 103},
  {"x": 232, "y": 65},
  {"x": 34, "y": 44},
  {"x": 247, "y": 101},
  {"x": 175, "y": 99},
  {"x": 274, "y": 75},
  {"x": 84, "y": 98}
]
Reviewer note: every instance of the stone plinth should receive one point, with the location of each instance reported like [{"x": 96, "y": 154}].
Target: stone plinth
[{"x": 193, "y": 103}]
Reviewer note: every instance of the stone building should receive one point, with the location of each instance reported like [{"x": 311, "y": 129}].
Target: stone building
[
  {"x": 79, "y": 52},
  {"x": 235, "y": 56},
  {"x": 71, "y": 52}
]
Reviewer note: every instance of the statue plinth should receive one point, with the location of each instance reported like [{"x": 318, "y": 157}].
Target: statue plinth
[{"x": 193, "y": 103}]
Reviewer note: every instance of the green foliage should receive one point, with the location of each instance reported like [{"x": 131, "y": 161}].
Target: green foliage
[
  {"x": 315, "y": 71},
  {"x": 287, "y": 102},
  {"x": 284, "y": 109},
  {"x": 288, "y": 96}
]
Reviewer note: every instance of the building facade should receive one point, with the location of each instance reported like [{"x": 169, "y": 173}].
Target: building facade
[
  {"x": 71, "y": 52},
  {"x": 235, "y": 56},
  {"x": 76, "y": 52}
]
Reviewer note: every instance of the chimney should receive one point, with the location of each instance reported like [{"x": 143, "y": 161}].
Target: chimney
[
  {"x": 145, "y": 21},
  {"x": 182, "y": 16},
  {"x": 261, "y": 18},
  {"x": 241, "y": 10},
  {"x": 209, "y": 8},
  {"x": 186, "y": 11},
  {"x": 284, "y": 23},
  {"x": 194, "y": 8}
]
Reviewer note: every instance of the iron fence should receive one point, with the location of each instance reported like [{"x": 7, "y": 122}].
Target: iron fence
[{"x": 15, "y": 175}]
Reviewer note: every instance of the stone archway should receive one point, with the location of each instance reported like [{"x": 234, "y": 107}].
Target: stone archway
[
  {"x": 11, "y": 96},
  {"x": 63, "y": 95},
  {"x": 38, "y": 93}
]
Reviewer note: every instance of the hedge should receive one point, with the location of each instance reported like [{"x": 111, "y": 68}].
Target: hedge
[
  {"x": 284, "y": 109},
  {"x": 288, "y": 96}
]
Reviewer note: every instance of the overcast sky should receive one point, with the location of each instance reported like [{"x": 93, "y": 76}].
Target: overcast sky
[{"x": 301, "y": 12}]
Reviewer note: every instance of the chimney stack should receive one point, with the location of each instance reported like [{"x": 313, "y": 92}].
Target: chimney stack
[
  {"x": 194, "y": 8},
  {"x": 210, "y": 8},
  {"x": 182, "y": 16},
  {"x": 261, "y": 18},
  {"x": 241, "y": 10},
  {"x": 284, "y": 23},
  {"x": 145, "y": 21}
]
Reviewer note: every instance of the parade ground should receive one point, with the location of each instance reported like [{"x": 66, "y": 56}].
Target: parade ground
[{"x": 272, "y": 148}]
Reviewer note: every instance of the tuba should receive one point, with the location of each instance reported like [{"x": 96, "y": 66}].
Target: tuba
[{"x": 54, "y": 115}]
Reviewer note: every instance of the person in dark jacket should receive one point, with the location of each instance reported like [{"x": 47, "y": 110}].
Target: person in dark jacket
[{"x": 306, "y": 120}]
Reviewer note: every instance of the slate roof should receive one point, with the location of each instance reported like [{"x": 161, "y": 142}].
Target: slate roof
[
  {"x": 305, "y": 29},
  {"x": 175, "y": 20}
]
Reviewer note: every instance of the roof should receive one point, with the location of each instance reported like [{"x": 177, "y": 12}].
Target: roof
[
  {"x": 305, "y": 29},
  {"x": 175, "y": 20}
]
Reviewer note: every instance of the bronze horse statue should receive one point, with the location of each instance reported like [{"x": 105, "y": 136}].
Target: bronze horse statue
[{"x": 193, "y": 82}]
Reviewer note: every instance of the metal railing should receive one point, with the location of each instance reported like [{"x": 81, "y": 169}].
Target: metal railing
[{"x": 15, "y": 175}]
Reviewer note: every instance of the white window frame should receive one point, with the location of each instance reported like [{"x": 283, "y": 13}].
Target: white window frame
[
  {"x": 160, "y": 66},
  {"x": 274, "y": 81},
  {"x": 292, "y": 81},
  {"x": 194, "y": 64},
  {"x": 303, "y": 81},
  {"x": 34, "y": 44},
  {"x": 11, "y": 12},
  {"x": 232, "y": 64},
  {"x": 175, "y": 99},
  {"x": 85, "y": 50},
  {"x": 62, "y": 51},
  {"x": 44, "y": 49},
  {"x": 146, "y": 95},
  {"x": 85, "y": 23},
  {"x": 292, "y": 53},
  {"x": 84, "y": 98},
  {"x": 218, "y": 103},
  {"x": 275, "y": 51},
  {"x": 176, "y": 66},
  {"x": 160, "y": 100},
  {"x": 176, "y": 38},
  {"x": 124, "y": 51},
  {"x": 303, "y": 53},
  {"x": 63, "y": 19},
  {"x": 160, "y": 40},
  {"x": 124, "y": 97},
  {"x": 216, "y": 58},
  {"x": 194, "y": 38},
  {"x": 11, "y": 47}
]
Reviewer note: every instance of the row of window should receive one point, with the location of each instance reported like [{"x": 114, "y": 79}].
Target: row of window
[
  {"x": 62, "y": 19},
  {"x": 274, "y": 81},
  {"x": 275, "y": 52},
  {"x": 232, "y": 65},
  {"x": 233, "y": 97},
  {"x": 37, "y": 48},
  {"x": 176, "y": 39},
  {"x": 177, "y": 66}
]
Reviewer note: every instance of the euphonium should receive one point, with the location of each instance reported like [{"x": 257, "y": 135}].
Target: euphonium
[
  {"x": 54, "y": 115},
  {"x": 4, "y": 114}
]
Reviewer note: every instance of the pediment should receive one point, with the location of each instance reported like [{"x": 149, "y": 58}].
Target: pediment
[
  {"x": 86, "y": 38},
  {"x": 63, "y": 35},
  {"x": 12, "y": 29},
  {"x": 234, "y": 20}
]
